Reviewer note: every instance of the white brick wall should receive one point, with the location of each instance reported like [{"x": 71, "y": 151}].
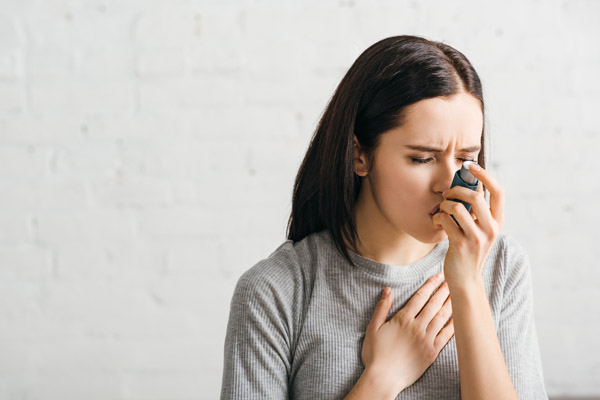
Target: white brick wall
[{"x": 148, "y": 151}]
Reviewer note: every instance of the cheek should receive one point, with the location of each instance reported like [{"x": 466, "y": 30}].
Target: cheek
[{"x": 401, "y": 185}]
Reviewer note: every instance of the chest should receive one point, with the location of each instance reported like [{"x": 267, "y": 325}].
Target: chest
[{"x": 327, "y": 359}]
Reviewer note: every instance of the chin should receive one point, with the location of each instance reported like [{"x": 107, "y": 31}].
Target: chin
[{"x": 433, "y": 236}]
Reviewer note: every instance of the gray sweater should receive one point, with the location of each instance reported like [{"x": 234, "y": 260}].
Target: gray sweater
[{"x": 298, "y": 319}]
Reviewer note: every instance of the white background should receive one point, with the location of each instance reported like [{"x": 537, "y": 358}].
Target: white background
[{"x": 148, "y": 151}]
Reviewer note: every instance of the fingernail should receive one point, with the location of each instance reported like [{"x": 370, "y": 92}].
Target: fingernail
[
  {"x": 386, "y": 292},
  {"x": 439, "y": 277},
  {"x": 445, "y": 193},
  {"x": 474, "y": 167}
]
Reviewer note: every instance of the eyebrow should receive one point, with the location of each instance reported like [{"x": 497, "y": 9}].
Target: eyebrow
[{"x": 471, "y": 149}]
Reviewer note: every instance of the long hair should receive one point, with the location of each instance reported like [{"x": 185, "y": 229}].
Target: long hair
[{"x": 370, "y": 100}]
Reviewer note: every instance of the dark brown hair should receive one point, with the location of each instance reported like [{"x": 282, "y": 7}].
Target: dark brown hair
[{"x": 386, "y": 78}]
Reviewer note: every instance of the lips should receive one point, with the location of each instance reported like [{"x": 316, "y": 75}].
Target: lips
[{"x": 435, "y": 209}]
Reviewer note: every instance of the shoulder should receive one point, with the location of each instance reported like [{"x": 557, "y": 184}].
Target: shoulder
[
  {"x": 507, "y": 252},
  {"x": 510, "y": 246},
  {"x": 268, "y": 276},
  {"x": 281, "y": 262},
  {"x": 506, "y": 245},
  {"x": 512, "y": 265},
  {"x": 507, "y": 261},
  {"x": 286, "y": 269},
  {"x": 514, "y": 257}
]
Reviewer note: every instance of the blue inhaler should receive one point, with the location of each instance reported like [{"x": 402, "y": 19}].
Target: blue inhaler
[{"x": 463, "y": 177}]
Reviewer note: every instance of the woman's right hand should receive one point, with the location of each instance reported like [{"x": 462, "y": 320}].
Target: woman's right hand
[{"x": 400, "y": 350}]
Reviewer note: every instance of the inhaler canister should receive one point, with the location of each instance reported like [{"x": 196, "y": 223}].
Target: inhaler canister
[{"x": 463, "y": 177}]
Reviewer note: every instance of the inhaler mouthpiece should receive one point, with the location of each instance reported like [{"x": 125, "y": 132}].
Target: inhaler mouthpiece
[{"x": 465, "y": 174}]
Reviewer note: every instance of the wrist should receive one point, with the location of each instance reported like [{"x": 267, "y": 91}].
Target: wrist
[
  {"x": 382, "y": 386},
  {"x": 465, "y": 285},
  {"x": 467, "y": 297}
]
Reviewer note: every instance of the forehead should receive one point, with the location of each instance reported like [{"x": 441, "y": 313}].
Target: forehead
[{"x": 441, "y": 122}]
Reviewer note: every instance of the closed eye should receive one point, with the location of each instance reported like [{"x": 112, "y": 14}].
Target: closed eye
[
  {"x": 421, "y": 160},
  {"x": 428, "y": 160}
]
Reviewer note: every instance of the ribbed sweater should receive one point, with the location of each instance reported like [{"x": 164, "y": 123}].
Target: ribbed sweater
[{"x": 298, "y": 318}]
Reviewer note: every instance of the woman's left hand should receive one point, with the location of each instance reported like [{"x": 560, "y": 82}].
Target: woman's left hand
[{"x": 471, "y": 242}]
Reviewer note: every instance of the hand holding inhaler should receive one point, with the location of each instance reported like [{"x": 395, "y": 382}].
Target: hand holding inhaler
[
  {"x": 471, "y": 225},
  {"x": 463, "y": 177}
]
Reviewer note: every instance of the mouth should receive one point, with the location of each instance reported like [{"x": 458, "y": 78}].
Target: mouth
[{"x": 434, "y": 209}]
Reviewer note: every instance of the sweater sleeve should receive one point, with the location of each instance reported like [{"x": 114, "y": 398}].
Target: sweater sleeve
[
  {"x": 258, "y": 343},
  {"x": 517, "y": 333}
]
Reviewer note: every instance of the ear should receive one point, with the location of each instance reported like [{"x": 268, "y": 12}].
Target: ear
[{"x": 360, "y": 160}]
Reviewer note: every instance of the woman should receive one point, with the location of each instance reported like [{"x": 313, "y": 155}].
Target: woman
[{"x": 372, "y": 235}]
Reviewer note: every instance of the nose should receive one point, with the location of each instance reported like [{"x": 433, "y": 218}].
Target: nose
[{"x": 444, "y": 174}]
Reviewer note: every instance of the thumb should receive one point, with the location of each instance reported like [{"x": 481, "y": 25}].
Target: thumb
[{"x": 382, "y": 310}]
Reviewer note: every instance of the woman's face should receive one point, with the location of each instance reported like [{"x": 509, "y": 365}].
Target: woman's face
[{"x": 414, "y": 163}]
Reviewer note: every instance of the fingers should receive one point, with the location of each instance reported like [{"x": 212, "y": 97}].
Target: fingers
[
  {"x": 497, "y": 197},
  {"x": 441, "y": 318},
  {"x": 444, "y": 336},
  {"x": 479, "y": 190},
  {"x": 460, "y": 213},
  {"x": 449, "y": 226},
  {"x": 421, "y": 297},
  {"x": 435, "y": 303},
  {"x": 382, "y": 309},
  {"x": 445, "y": 220},
  {"x": 479, "y": 207}
]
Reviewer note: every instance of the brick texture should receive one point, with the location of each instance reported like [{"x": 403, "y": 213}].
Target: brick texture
[{"x": 148, "y": 152}]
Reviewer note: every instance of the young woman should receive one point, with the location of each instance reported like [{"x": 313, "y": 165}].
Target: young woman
[{"x": 376, "y": 294}]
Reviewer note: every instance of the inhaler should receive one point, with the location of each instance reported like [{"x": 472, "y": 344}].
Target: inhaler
[{"x": 464, "y": 178}]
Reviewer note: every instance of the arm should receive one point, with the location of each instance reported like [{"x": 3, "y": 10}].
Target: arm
[
  {"x": 513, "y": 352},
  {"x": 482, "y": 369},
  {"x": 371, "y": 386},
  {"x": 516, "y": 325},
  {"x": 257, "y": 344}
]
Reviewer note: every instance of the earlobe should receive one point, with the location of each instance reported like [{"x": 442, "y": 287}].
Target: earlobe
[
  {"x": 360, "y": 164},
  {"x": 358, "y": 171}
]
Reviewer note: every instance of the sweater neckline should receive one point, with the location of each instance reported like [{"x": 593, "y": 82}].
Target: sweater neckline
[{"x": 434, "y": 260}]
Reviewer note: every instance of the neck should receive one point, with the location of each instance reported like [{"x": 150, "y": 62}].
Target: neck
[{"x": 381, "y": 241}]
